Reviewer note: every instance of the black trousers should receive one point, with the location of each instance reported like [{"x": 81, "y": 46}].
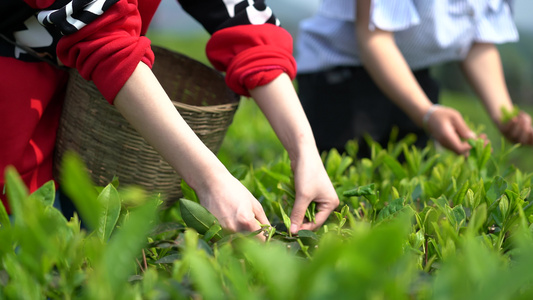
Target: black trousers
[{"x": 344, "y": 103}]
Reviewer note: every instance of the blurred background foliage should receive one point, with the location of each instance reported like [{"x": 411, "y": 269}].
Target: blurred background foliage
[{"x": 518, "y": 68}]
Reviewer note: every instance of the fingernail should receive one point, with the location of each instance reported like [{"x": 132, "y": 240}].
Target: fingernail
[
  {"x": 471, "y": 135},
  {"x": 294, "y": 228}
]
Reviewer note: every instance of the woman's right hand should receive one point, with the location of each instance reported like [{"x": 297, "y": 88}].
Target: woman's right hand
[
  {"x": 145, "y": 104},
  {"x": 448, "y": 127},
  {"x": 233, "y": 205}
]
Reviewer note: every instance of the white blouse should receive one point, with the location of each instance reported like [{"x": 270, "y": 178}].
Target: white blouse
[{"x": 427, "y": 32}]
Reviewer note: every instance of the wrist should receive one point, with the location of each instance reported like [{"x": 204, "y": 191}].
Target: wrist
[
  {"x": 204, "y": 178},
  {"x": 427, "y": 115},
  {"x": 300, "y": 148},
  {"x": 306, "y": 155}
]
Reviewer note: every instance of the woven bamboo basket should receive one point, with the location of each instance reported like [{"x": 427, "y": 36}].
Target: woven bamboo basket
[{"x": 110, "y": 147}]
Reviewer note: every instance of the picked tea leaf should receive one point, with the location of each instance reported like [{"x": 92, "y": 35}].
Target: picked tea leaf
[
  {"x": 196, "y": 216},
  {"x": 509, "y": 115},
  {"x": 360, "y": 191}
]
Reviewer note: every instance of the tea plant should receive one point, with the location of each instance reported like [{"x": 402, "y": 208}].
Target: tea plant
[{"x": 412, "y": 224}]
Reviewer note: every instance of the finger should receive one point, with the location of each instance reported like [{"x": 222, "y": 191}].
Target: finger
[
  {"x": 462, "y": 129},
  {"x": 320, "y": 218},
  {"x": 524, "y": 123},
  {"x": 513, "y": 129},
  {"x": 451, "y": 140},
  {"x": 530, "y": 140},
  {"x": 524, "y": 137},
  {"x": 251, "y": 225},
  {"x": 298, "y": 214},
  {"x": 526, "y": 118},
  {"x": 506, "y": 129},
  {"x": 485, "y": 139},
  {"x": 260, "y": 215}
]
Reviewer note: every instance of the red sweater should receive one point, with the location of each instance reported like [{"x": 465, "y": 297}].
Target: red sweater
[{"x": 107, "y": 51}]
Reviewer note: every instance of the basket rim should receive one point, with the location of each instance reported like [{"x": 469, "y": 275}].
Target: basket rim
[{"x": 203, "y": 108}]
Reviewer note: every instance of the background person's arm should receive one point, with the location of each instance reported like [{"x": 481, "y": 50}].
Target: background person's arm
[
  {"x": 484, "y": 71},
  {"x": 387, "y": 66}
]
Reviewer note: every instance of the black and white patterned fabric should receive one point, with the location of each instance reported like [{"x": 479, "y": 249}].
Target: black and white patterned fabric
[
  {"x": 74, "y": 15},
  {"x": 219, "y": 14},
  {"x": 31, "y": 35}
]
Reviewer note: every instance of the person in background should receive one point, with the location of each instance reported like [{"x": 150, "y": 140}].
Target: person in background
[
  {"x": 104, "y": 40},
  {"x": 363, "y": 68}
]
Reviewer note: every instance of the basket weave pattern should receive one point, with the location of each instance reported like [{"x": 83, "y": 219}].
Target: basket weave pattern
[{"x": 110, "y": 147}]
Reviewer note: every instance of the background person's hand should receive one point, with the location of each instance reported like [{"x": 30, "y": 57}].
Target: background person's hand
[
  {"x": 518, "y": 129},
  {"x": 448, "y": 127},
  {"x": 233, "y": 205},
  {"x": 312, "y": 185}
]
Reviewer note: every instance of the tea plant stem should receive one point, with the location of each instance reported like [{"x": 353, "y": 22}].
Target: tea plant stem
[
  {"x": 427, "y": 267},
  {"x": 271, "y": 232},
  {"x": 426, "y": 252},
  {"x": 144, "y": 260},
  {"x": 501, "y": 237},
  {"x": 139, "y": 264},
  {"x": 304, "y": 249}
]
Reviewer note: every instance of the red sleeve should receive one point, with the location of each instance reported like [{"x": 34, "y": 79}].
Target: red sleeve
[
  {"x": 39, "y": 3},
  {"x": 108, "y": 50},
  {"x": 251, "y": 55}
]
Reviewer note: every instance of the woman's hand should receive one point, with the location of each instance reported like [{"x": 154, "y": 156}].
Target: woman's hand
[
  {"x": 233, "y": 205},
  {"x": 448, "y": 127},
  {"x": 518, "y": 129},
  {"x": 144, "y": 103},
  {"x": 312, "y": 185}
]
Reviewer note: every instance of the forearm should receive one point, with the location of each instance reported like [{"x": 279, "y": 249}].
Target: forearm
[
  {"x": 280, "y": 104},
  {"x": 387, "y": 66},
  {"x": 484, "y": 71},
  {"x": 144, "y": 103}
]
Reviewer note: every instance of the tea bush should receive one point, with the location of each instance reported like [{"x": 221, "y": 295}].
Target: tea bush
[{"x": 412, "y": 224}]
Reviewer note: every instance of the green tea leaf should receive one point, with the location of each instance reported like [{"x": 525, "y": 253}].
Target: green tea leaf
[
  {"x": 344, "y": 164},
  {"x": 509, "y": 115},
  {"x": 196, "y": 216},
  {"x": 360, "y": 191},
  {"x": 286, "y": 219},
  {"x": 80, "y": 189},
  {"x": 310, "y": 212},
  {"x": 333, "y": 162},
  {"x": 264, "y": 192},
  {"x": 169, "y": 259},
  {"x": 497, "y": 188},
  {"x": 395, "y": 167},
  {"x": 188, "y": 192},
  {"x": 459, "y": 215},
  {"x": 167, "y": 227},
  {"x": 16, "y": 190},
  {"x": 352, "y": 147},
  {"x": 478, "y": 219},
  {"x": 287, "y": 188},
  {"x": 119, "y": 257},
  {"x": 213, "y": 233},
  {"x": 110, "y": 201},
  {"x": 459, "y": 196},
  {"x": 46, "y": 193},
  {"x": 504, "y": 206},
  {"x": 277, "y": 176},
  {"x": 394, "y": 208},
  {"x": 4, "y": 218},
  {"x": 428, "y": 164}
]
